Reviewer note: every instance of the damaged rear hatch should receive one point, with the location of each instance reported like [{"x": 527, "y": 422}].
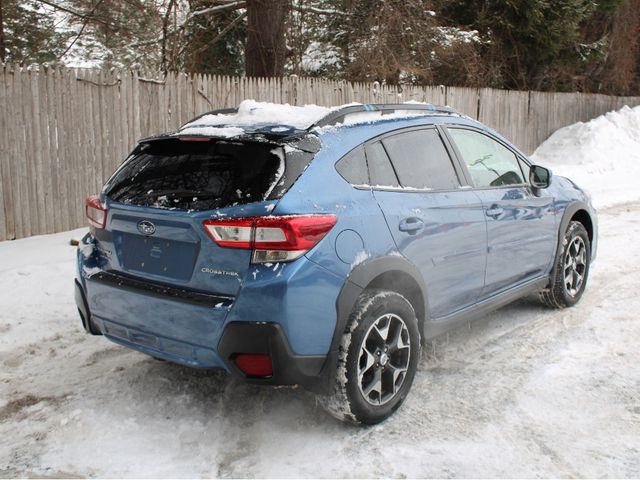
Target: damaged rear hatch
[{"x": 154, "y": 244}]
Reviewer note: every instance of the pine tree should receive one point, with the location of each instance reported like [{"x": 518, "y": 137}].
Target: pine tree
[
  {"x": 108, "y": 33},
  {"x": 214, "y": 43},
  {"x": 534, "y": 44},
  {"x": 28, "y": 33}
]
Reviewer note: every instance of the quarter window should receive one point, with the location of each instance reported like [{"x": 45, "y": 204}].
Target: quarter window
[
  {"x": 490, "y": 164},
  {"x": 353, "y": 167},
  {"x": 421, "y": 160}
]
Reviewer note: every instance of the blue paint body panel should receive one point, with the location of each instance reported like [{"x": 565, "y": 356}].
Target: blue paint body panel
[
  {"x": 462, "y": 255},
  {"x": 450, "y": 250},
  {"x": 521, "y": 240}
]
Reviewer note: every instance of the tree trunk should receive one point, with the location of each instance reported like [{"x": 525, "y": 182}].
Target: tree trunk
[
  {"x": 265, "y": 49},
  {"x": 165, "y": 29},
  {"x": 2, "y": 47}
]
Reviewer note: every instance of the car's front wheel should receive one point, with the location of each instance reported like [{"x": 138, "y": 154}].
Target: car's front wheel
[
  {"x": 569, "y": 278},
  {"x": 378, "y": 358}
]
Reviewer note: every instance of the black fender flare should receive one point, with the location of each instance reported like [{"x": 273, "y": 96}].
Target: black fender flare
[
  {"x": 567, "y": 215},
  {"x": 357, "y": 281},
  {"x": 363, "y": 274}
]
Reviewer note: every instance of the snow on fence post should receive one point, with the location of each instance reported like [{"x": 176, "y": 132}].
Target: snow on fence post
[
  {"x": 375, "y": 91},
  {"x": 293, "y": 90},
  {"x": 64, "y": 131}
]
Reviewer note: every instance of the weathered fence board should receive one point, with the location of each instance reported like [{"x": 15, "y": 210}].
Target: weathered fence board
[
  {"x": 464, "y": 99},
  {"x": 506, "y": 111},
  {"x": 64, "y": 131},
  {"x": 6, "y": 228}
]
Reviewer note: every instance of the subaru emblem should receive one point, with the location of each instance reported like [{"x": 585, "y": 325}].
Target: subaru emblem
[{"x": 146, "y": 227}]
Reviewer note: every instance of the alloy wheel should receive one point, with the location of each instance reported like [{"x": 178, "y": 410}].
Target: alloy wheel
[
  {"x": 575, "y": 266},
  {"x": 384, "y": 359}
]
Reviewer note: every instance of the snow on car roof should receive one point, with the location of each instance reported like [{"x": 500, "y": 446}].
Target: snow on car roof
[
  {"x": 251, "y": 113},
  {"x": 284, "y": 119}
]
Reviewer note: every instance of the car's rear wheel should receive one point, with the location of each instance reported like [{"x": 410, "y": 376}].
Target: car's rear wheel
[
  {"x": 569, "y": 278},
  {"x": 377, "y": 361}
]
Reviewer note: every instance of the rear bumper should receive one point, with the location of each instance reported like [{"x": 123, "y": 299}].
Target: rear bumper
[{"x": 234, "y": 338}]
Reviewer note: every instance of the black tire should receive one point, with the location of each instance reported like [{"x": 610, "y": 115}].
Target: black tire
[
  {"x": 374, "y": 310},
  {"x": 558, "y": 294}
]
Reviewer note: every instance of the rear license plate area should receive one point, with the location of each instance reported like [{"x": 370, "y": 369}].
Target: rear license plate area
[{"x": 158, "y": 256}]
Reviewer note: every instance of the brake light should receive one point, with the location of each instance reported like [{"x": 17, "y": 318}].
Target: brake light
[
  {"x": 194, "y": 139},
  {"x": 95, "y": 211},
  {"x": 274, "y": 238},
  {"x": 255, "y": 365}
]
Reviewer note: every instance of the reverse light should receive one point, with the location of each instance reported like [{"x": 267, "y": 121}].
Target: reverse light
[
  {"x": 95, "y": 211},
  {"x": 234, "y": 233},
  {"x": 255, "y": 365},
  {"x": 273, "y": 238}
]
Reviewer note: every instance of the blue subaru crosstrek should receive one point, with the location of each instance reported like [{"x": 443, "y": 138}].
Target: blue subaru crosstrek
[{"x": 325, "y": 256}]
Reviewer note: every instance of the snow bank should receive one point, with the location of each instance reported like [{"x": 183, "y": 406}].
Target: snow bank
[
  {"x": 602, "y": 155},
  {"x": 251, "y": 112}
]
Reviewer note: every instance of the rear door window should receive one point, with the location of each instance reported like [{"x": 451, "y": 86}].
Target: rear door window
[
  {"x": 421, "y": 160},
  {"x": 380, "y": 168},
  {"x": 203, "y": 175}
]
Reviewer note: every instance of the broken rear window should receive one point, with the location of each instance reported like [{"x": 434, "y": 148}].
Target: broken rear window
[{"x": 205, "y": 175}]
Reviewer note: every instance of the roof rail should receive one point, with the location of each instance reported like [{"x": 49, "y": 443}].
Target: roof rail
[{"x": 338, "y": 116}]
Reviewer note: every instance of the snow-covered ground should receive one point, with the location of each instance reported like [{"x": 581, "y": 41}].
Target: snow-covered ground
[{"x": 524, "y": 392}]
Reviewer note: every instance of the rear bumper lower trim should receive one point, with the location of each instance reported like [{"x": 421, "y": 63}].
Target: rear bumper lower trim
[
  {"x": 269, "y": 339},
  {"x": 159, "y": 290}
]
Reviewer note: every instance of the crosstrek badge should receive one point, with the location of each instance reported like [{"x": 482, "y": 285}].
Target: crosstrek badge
[{"x": 214, "y": 271}]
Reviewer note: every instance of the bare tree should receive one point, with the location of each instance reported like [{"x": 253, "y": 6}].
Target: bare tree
[
  {"x": 165, "y": 29},
  {"x": 265, "y": 50}
]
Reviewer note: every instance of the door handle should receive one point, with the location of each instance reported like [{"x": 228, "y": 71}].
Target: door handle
[
  {"x": 494, "y": 211},
  {"x": 411, "y": 225}
]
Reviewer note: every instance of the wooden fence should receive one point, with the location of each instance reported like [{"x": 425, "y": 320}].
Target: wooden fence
[{"x": 63, "y": 132}]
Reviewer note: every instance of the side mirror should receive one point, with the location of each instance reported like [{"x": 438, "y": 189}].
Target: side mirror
[{"x": 539, "y": 177}]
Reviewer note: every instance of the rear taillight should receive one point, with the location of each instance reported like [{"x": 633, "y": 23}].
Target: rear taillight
[
  {"x": 95, "y": 211},
  {"x": 274, "y": 238},
  {"x": 231, "y": 233}
]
